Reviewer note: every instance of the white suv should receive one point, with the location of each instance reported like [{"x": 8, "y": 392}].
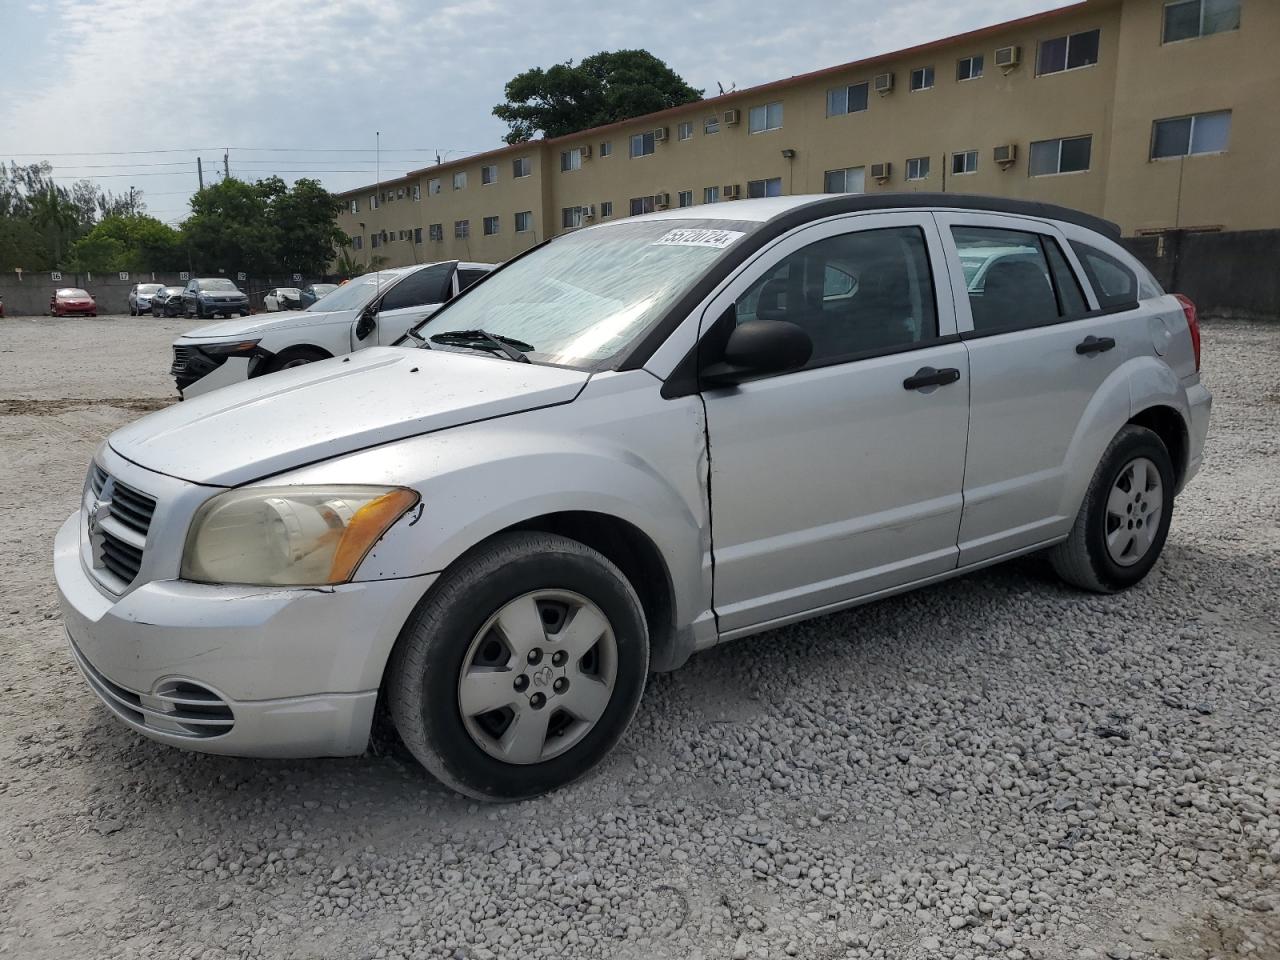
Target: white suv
[
  {"x": 372, "y": 310},
  {"x": 499, "y": 534}
]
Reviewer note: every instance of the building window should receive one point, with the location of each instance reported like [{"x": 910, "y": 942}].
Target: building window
[
  {"x": 606, "y": 209},
  {"x": 969, "y": 68},
  {"x": 571, "y": 217},
  {"x": 355, "y": 206},
  {"x": 850, "y": 99},
  {"x": 570, "y": 160},
  {"x": 417, "y": 191},
  {"x": 461, "y": 229},
  {"x": 521, "y": 167},
  {"x": 1188, "y": 136},
  {"x": 1068, "y": 53},
  {"x": 1068, "y": 155},
  {"x": 433, "y": 186},
  {"x": 375, "y": 241},
  {"x": 710, "y": 194},
  {"x": 765, "y": 188},
  {"x": 524, "y": 221},
  {"x": 357, "y": 243},
  {"x": 373, "y": 201},
  {"x": 922, "y": 78},
  {"x": 460, "y": 180},
  {"x": 641, "y": 205},
  {"x": 766, "y": 117},
  {"x": 490, "y": 226},
  {"x": 711, "y": 125},
  {"x": 417, "y": 234},
  {"x": 642, "y": 144},
  {"x": 848, "y": 180},
  {"x": 918, "y": 168},
  {"x": 606, "y": 148},
  {"x": 685, "y": 130},
  {"x": 435, "y": 232},
  {"x": 964, "y": 162},
  {"x": 400, "y": 193},
  {"x": 489, "y": 174},
  {"x": 1188, "y": 19},
  {"x": 685, "y": 198}
]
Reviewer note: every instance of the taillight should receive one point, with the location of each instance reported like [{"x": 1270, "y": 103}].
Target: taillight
[{"x": 1193, "y": 325}]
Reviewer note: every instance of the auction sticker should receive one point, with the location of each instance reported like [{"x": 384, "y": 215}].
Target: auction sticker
[{"x": 693, "y": 237}]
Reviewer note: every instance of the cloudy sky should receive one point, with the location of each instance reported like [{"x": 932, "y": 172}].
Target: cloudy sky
[{"x": 130, "y": 92}]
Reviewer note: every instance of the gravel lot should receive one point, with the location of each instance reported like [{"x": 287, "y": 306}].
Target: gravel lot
[{"x": 998, "y": 766}]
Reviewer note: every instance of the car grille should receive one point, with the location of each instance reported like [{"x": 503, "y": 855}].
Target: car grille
[
  {"x": 177, "y": 707},
  {"x": 181, "y": 357},
  {"x": 119, "y": 518}
]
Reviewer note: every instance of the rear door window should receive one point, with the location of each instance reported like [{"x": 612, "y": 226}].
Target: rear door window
[
  {"x": 1115, "y": 284},
  {"x": 428, "y": 285},
  {"x": 467, "y": 277},
  {"x": 1016, "y": 279}
]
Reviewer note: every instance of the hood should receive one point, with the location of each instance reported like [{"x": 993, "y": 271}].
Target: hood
[
  {"x": 310, "y": 413},
  {"x": 264, "y": 323}
]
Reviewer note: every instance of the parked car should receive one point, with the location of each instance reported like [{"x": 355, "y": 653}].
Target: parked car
[
  {"x": 314, "y": 291},
  {"x": 498, "y": 535},
  {"x": 283, "y": 298},
  {"x": 71, "y": 302},
  {"x": 140, "y": 296},
  {"x": 213, "y": 297},
  {"x": 372, "y": 310},
  {"x": 167, "y": 302}
]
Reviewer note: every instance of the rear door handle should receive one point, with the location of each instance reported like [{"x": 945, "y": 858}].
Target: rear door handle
[
  {"x": 1093, "y": 344},
  {"x": 929, "y": 377}
]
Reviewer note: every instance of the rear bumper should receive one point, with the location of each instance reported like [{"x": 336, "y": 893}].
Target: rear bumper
[{"x": 1199, "y": 406}]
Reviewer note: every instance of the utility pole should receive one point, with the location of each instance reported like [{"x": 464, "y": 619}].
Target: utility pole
[
  {"x": 226, "y": 164},
  {"x": 131, "y": 207},
  {"x": 200, "y": 171}
]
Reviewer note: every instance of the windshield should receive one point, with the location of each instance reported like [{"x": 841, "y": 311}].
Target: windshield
[
  {"x": 217, "y": 283},
  {"x": 584, "y": 298},
  {"x": 73, "y": 292},
  {"x": 172, "y": 291},
  {"x": 148, "y": 287},
  {"x": 355, "y": 294}
]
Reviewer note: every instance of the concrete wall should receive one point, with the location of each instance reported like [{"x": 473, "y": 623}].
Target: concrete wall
[{"x": 1224, "y": 274}]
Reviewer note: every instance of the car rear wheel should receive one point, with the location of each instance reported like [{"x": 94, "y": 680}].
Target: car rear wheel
[
  {"x": 1124, "y": 520},
  {"x": 521, "y": 668}
]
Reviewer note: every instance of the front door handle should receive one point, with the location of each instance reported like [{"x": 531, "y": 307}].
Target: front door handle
[
  {"x": 929, "y": 377},
  {"x": 1092, "y": 344}
]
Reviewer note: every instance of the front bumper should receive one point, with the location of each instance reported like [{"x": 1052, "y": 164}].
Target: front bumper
[{"x": 245, "y": 671}]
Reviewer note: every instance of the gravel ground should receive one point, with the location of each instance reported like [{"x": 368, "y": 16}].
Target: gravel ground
[{"x": 998, "y": 766}]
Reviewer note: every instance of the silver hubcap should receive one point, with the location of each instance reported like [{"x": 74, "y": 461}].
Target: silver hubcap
[
  {"x": 538, "y": 676},
  {"x": 1133, "y": 512}
]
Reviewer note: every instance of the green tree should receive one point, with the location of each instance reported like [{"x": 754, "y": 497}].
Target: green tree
[
  {"x": 348, "y": 266},
  {"x": 137, "y": 243},
  {"x": 308, "y": 234},
  {"x": 54, "y": 212},
  {"x": 604, "y": 88}
]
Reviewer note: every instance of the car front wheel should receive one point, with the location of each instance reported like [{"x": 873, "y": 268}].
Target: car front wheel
[
  {"x": 522, "y": 667},
  {"x": 1124, "y": 520}
]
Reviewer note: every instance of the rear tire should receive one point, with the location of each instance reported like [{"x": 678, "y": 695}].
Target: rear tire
[
  {"x": 545, "y": 628},
  {"x": 1124, "y": 520}
]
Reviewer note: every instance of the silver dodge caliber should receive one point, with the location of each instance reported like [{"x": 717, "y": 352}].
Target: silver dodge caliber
[{"x": 499, "y": 528}]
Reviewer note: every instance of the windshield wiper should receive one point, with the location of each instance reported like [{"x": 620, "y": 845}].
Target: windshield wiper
[
  {"x": 414, "y": 334},
  {"x": 483, "y": 340}
]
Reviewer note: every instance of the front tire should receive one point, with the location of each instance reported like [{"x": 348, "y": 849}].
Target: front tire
[
  {"x": 1124, "y": 520},
  {"x": 297, "y": 357},
  {"x": 522, "y": 667}
]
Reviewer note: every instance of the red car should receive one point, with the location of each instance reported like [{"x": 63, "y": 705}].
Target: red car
[{"x": 71, "y": 301}]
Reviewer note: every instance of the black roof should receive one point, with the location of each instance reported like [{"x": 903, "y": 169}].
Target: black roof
[{"x": 851, "y": 203}]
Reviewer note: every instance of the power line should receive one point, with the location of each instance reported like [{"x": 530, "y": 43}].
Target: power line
[{"x": 123, "y": 153}]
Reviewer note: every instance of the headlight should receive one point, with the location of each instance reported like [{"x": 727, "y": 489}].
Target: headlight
[
  {"x": 238, "y": 349},
  {"x": 290, "y": 536}
]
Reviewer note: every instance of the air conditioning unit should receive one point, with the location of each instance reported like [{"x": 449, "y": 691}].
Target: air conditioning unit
[
  {"x": 732, "y": 117},
  {"x": 585, "y": 152},
  {"x": 1006, "y": 154},
  {"x": 659, "y": 134},
  {"x": 589, "y": 212},
  {"x": 1008, "y": 57},
  {"x": 731, "y": 191},
  {"x": 880, "y": 172},
  {"x": 662, "y": 200},
  {"x": 883, "y": 82}
]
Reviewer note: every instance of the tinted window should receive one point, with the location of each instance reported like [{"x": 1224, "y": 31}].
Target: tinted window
[
  {"x": 854, "y": 294},
  {"x": 467, "y": 277},
  {"x": 428, "y": 285},
  {"x": 1009, "y": 281},
  {"x": 1115, "y": 284}
]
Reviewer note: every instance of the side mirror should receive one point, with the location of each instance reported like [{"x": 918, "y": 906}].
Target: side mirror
[
  {"x": 759, "y": 347},
  {"x": 366, "y": 323}
]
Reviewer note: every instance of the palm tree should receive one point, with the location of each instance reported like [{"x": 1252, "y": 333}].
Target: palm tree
[{"x": 347, "y": 266}]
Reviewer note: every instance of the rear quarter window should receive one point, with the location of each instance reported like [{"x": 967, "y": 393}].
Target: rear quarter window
[{"x": 1115, "y": 283}]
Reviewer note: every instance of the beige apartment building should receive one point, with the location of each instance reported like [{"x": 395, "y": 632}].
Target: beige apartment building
[{"x": 1158, "y": 114}]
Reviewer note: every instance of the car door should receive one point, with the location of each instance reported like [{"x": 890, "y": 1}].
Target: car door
[
  {"x": 842, "y": 479},
  {"x": 1039, "y": 353},
  {"x": 410, "y": 301}
]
